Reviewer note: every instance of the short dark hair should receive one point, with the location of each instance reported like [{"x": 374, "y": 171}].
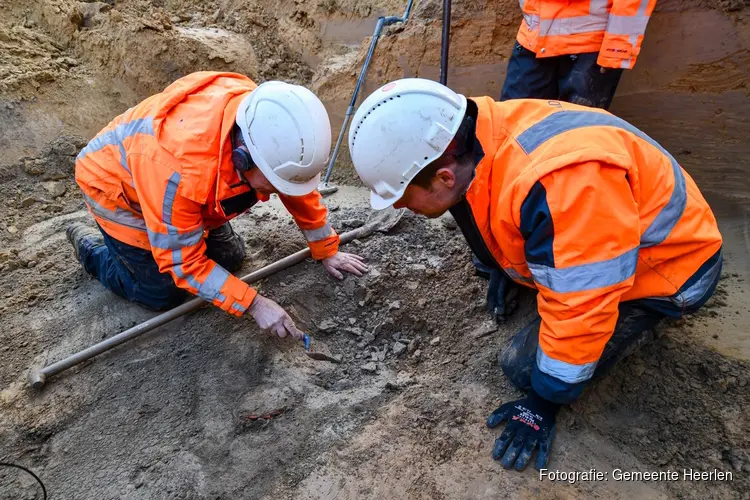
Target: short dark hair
[
  {"x": 423, "y": 179},
  {"x": 461, "y": 148}
]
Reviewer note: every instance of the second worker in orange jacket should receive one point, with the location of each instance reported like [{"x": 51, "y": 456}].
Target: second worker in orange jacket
[
  {"x": 570, "y": 201},
  {"x": 163, "y": 179},
  {"x": 573, "y": 51}
]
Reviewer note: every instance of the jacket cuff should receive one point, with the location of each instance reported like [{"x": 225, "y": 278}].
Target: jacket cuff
[
  {"x": 238, "y": 306},
  {"x": 617, "y": 53},
  {"x": 323, "y": 249},
  {"x": 544, "y": 404},
  {"x": 615, "y": 62},
  {"x": 553, "y": 389}
]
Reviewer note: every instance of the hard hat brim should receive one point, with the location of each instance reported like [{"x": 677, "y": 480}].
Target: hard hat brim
[
  {"x": 282, "y": 185},
  {"x": 377, "y": 202}
]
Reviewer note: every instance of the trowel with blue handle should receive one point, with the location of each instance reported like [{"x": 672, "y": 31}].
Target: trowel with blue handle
[{"x": 318, "y": 356}]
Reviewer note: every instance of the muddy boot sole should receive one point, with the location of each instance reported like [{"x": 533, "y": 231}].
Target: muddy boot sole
[{"x": 80, "y": 235}]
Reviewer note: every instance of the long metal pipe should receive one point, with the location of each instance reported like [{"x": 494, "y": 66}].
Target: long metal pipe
[
  {"x": 353, "y": 101},
  {"x": 382, "y": 22},
  {"x": 37, "y": 378},
  {"x": 445, "y": 42}
]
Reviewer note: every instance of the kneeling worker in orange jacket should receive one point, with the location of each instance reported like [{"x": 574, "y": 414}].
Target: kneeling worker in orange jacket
[
  {"x": 571, "y": 201},
  {"x": 163, "y": 179}
]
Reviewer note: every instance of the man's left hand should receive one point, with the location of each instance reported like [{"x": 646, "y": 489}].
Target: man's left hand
[
  {"x": 531, "y": 423},
  {"x": 348, "y": 262},
  {"x": 502, "y": 295}
]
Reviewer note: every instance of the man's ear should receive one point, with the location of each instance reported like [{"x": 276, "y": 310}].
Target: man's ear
[{"x": 446, "y": 176}]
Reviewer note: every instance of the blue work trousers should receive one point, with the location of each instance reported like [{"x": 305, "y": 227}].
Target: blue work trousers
[
  {"x": 572, "y": 78},
  {"x": 634, "y": 329},
  {"x": 132, "y": 273}
]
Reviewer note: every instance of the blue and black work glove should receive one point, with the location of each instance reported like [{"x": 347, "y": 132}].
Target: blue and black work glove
[
  {"x": 531, "y": 424},
  {"x": 502, "y": 295}
]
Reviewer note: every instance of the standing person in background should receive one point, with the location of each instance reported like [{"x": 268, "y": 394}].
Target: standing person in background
[{"x": 575, "y": 51}]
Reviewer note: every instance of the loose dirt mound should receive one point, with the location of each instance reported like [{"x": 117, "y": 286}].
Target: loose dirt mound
[{"x": 209, "y": 407}]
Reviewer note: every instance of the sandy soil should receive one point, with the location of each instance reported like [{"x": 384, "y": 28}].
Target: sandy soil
[{"x": 167, "y": 416}]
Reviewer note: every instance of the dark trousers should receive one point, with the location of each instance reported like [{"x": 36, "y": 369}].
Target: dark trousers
[
  {"x": 132, "y": 272},
  {"x": 574, "y": 78},
  {"x": 634, "y": 329}
]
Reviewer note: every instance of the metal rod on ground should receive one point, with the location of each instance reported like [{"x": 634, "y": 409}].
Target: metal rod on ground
[
  {"x": 382, "y": 22},
  {"x": 37, "y": 377},
  {"x": 352, "y": 103},
  {"x": 445, "y": 42}
]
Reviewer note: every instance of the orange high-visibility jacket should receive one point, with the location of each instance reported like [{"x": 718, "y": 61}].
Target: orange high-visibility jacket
[
  {"x": 160, "y": 176},
  {"x": 589, "y": 210},
  {"x": 614, "y": 28}
]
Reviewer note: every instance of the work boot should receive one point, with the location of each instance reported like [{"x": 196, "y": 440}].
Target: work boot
[{"x": 82, "y": 236}]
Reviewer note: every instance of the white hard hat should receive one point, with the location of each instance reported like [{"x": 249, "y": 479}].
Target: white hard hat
[
  {"x": 398, "y": 130},
  {"x": 286, "y": 129}
]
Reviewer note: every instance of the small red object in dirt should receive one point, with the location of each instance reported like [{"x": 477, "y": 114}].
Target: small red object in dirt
[{"x": 267, "y": 416}]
